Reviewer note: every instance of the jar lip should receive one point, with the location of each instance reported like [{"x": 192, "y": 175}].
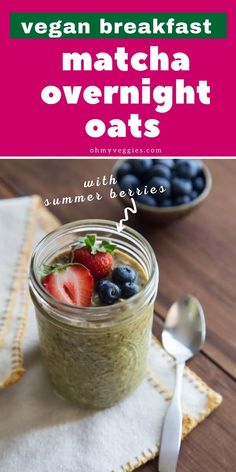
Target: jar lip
[{"x": 92, "y": 313}]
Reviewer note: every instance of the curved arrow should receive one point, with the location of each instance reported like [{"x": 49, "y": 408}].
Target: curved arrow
[{"x": 133, "y": 209}]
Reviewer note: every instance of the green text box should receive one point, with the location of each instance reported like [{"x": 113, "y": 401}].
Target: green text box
[{"x": 42, "y": 25}]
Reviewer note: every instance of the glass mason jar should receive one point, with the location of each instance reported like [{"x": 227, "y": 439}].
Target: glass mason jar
[{"x": 97, "y": 355}]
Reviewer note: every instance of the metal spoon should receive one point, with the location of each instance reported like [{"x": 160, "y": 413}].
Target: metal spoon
[{"x": 182, "y": 337}]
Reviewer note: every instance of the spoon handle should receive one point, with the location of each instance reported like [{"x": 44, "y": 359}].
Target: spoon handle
[{"x": 172, "y": 428}]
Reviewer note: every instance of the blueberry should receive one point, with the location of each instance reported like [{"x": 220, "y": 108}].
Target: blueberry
[
  {"x": 100, "y": 283},
  {"x": 122, "y": 274},
  {"x": 159, "y": 182},
  {"x": 198, "y": 164},
  {"x": 194, "y": 195},
  {"x": 159, "y": 170},
  {"x": 187, "y": 168},
  {"x": 182, "y": 199},
  {"x": 181, "y": 186},
  {"x": 129, "y": 289},
  {"x": 166, "y": 162},
  {"x": 139, "y": 166},
  {"x": 129, "y": 181},
  {"x": 109, "y": 292},
  {"x": 199, "y": 184},
  {"x": 124, "y": 169},
  {"x": 167, "y": 202},
  {"x": 146, "y": 200}
]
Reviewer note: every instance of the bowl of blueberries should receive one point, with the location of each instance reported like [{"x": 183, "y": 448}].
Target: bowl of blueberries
[{"x": 163, "y": 189}]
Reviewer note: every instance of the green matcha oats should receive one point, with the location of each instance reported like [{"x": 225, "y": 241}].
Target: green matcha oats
[{"x": 94, "y": 290}]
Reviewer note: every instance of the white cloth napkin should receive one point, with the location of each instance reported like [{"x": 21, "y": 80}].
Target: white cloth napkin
[
  {"x": 39, "y": 431},
  {"x": 23, "y": 222}
]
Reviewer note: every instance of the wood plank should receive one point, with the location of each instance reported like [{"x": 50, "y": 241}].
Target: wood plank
[
  {"x": 5, "y": 191},
  {"x": 58, "y": 178},
  {"x": 195, "y": 254}
]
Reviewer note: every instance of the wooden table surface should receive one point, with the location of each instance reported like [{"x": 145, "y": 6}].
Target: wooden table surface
[{"x": 196, "y": 254}]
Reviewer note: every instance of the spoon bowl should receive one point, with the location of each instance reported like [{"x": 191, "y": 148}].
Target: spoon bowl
[{"x": 185, "y": 330}]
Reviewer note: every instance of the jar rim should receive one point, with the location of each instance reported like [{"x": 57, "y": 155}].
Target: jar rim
[{"x": 93, "y": 313}]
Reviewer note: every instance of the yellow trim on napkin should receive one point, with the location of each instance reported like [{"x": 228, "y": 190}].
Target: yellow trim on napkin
[{"x": 38, "y": 214}]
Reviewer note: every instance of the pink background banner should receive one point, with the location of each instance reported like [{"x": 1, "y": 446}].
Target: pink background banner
[{"x": 29, "y": 127}]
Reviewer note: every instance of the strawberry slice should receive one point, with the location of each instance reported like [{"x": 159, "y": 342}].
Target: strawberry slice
[{"x": 71, "y": 283}]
